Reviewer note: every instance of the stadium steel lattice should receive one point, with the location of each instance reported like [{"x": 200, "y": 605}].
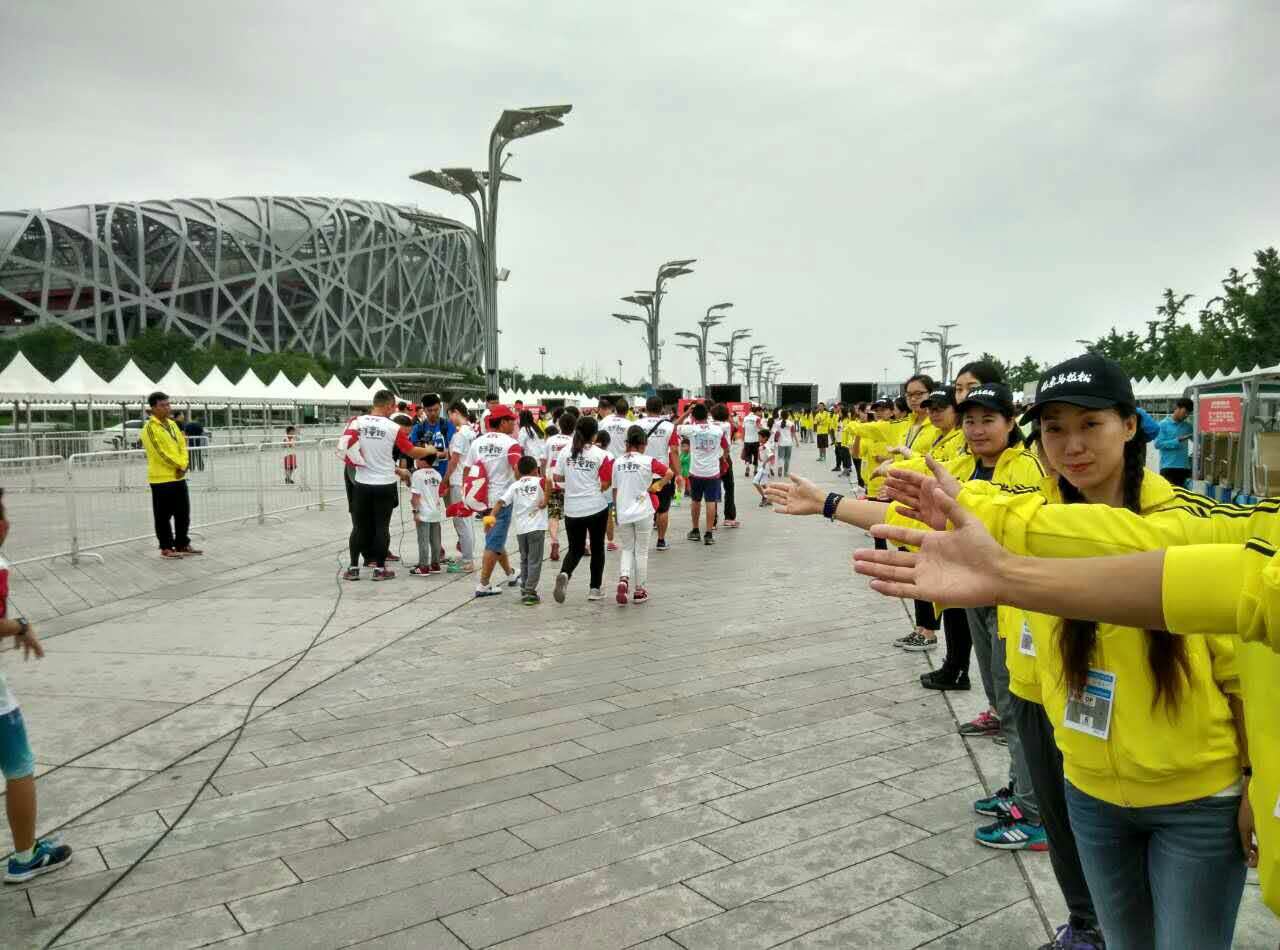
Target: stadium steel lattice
[{"x": 335, "y": 277}]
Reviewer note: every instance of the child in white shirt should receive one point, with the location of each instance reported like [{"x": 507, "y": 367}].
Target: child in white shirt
[
  {"x": 428, "y": 516},
  {"x": 767, "y": 458},
  {"x": 528, "y": 502}
]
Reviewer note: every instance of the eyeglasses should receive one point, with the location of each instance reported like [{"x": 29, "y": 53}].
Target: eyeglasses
[{"x": 917, "y": 393}]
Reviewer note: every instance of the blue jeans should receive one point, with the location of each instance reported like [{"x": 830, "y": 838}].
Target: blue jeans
[
  {"x": 1165, "y": 877},
  {"x": 496, "y": 540}
]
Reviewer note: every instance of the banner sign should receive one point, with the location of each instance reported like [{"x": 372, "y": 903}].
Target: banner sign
[{"x": 1221, "y": 413}]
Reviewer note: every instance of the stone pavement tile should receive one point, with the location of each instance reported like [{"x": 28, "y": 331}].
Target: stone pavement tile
[
  {"x": 459, "y": 775},
  {"x": 919, "y": 755},
  {"x": 620, "y": 925},
  {"x": 464, "y": 798},
  {"x": 323, "y": 765},
  {"x": 431, "y": 715},
  {"x": 664, "y": 728},
  {"x": 945, "y": 812},
  {"x": 206, "y": 834},
  {"x": 951, "y": 851},
  {"x": 606, "y": 847},
  {"x": 805, "y": 907},
  {"x": 429, "y": 936},
  {"x": 147, "y": 796},
  {"x": 850, "y": 712},
  {"x": 808, "y": 696},
  {"x": 386, "y": 914},
  {"x": 635, "y": 755},
  {"x": 810, "y": 758},
  {"x": 972, "y": 893},
  {"x": 863, "y": 724},
  {"x": 416, "y": 691},
  {"x": 618, "y": 784},
  {"x": 242, "y": 803},
  {"x": 657, "y": 943},
  {"x": 917, "y": 730},
  {"x": 894, "y": 925},
  {"x": 62, "y": 893},
  {"x": 531, "y": 910},
  {"x": 632, "y": 715},
  {"x": 691, "y": 686},
  {"x": 936, "y": 779},
  {"x": 384, "y": 877},
  {"x": 444, "y": 758},
  {"x": 461, "y": 735},
  {"x": 195, "y": 929},
  {"x": 796, "y": 824},
  {"x": 117, "y": 913},
  {"x": 794, "y": 864},
  {"x": 417, "y": 837},
  {"x": 1016, "y": 927},
  {"x": 457, "y": 699},
  {"x": 519, "y": 707},
  {"x": 621, "y": 811},
  {"x": 89, "y": 834},
  {"x": 801, "y": 789}
]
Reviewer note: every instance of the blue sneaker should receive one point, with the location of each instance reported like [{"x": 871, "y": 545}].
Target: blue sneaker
[
  {"x": 48, "y": 856},
  {"x": 1013, "y": 832},
  {"x": 997, "y": 806},
  {"x": 1071, "y": 937}
]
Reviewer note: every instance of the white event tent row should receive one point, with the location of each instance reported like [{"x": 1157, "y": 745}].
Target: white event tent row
[
  {"x": 1175, "y": 387},
  {"x": 22, "y": 383},
  {"x": 533, "y": 397}
]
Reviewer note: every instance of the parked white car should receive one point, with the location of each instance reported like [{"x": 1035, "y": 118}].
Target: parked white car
[{"x": 123, "y": 435}]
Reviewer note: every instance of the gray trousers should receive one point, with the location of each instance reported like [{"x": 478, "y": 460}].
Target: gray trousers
[
  {"x": 466, "y": 527},
  {"x": 531, "y": 545},
  {"x": 428, "y": 542},
  {"x": 995, "y": 681}
]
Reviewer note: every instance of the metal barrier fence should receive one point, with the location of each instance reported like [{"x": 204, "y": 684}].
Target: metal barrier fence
[
  {"x": 93, "y": 500},
  {"x": 79, "y": 442}
]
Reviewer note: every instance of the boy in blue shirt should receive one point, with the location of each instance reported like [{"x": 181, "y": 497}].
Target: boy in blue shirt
[{"x": 1174, "y": 442}]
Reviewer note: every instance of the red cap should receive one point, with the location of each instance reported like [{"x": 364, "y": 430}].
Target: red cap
[{"x": 498, "y": 413}]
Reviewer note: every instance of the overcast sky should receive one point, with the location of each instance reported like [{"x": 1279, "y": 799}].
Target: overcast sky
[{"x": 848, "y": 174}]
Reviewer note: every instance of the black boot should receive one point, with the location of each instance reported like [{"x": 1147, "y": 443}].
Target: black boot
[{"x": 943, "y": 678}]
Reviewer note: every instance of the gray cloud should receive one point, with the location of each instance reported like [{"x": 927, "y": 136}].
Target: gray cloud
[{"x": 848, "y": 174}]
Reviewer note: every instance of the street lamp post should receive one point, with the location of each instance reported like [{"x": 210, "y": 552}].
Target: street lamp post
[
  {"x": 700, "y": 339},
  {"x": 727, "y": 351},
  {"x": 481, "y": 190},
  {"x": 942, "y": 336},
  {"x": 750, "y": 364},
  {"x": 542, "y": 351},
  {"x": 651, "y": 302},
  {"x": 912, "y": 352}
]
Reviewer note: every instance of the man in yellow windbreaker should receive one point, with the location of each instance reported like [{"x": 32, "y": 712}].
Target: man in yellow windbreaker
[{"x": 167, "y": 462}]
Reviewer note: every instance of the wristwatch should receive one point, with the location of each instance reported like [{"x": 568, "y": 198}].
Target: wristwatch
[
  {"x": 830, "y": 505},
  {"x": 23, "y": 626}
]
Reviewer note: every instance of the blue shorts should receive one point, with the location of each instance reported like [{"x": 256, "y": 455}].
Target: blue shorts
[
  {"x": 496, "y": 539},
  {"x": 16, "y": 760},
  {"x": 704, "y": 489}
]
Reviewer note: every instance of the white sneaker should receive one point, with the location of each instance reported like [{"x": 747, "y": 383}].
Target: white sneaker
[{"x": 595, "y": 594}]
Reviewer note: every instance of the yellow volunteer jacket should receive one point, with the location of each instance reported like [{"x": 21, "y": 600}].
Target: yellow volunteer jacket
[
  {"x": 822, "y": 423},
  {"x": 166, "y": 447}
]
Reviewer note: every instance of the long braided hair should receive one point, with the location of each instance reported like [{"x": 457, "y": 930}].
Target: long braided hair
[{"x": 1166, "y": 653}]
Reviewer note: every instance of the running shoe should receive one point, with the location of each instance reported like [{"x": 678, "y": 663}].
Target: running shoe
[
  {"x": 562, "y": 584},
  {"x": 419, "y": 571},
  {"x": 732, "y": 523},
  {"x": 46, "y": 856},
  {"x": 764, "y": 503},
  {"x": 436, "y": 569},
  {"x": 530, "y": 600},
  {"x": 383, "y": 574},
  {"x": 187, "y": 550},
  {"x": 694, "y": 535},
  {"x": 1071, "y": 937},
  {"x": 662, "y": 545},
  {"x": 513, "y": 580},
  {"x": 611, "y": 546},
  {"x": 171, "y": 554},
  {"x": 996, "y": 805},
  {"x": 623, "y": 589},
  {"x": 1000, "y": 739},
  {"x": 392, "y": 557},
  {"x": 709, "y": 538},
  {"x": 944, "y": 679},
  {"x": 461, "y": 567},
  {"x": 351, "y": 574},
  {"x": 1013, "y": 832},
  {"x": 641, "y": 596},
  {"x": 984, "y": 725},
  {"x": 918, "y": 644},
  {"x": 595, "y": 593},
  {"x": 488, "y": 590},
  {"x": 903, "y": 641}
]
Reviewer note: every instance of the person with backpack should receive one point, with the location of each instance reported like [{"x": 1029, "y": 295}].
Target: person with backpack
[{"x": 662, "y": 445}]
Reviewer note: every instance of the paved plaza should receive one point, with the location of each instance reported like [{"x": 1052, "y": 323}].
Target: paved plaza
[{"x": 745, "y": 762}]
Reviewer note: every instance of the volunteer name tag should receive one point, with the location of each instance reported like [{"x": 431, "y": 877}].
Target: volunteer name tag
[
  {"x": 1026, "y": 643},
  {"x": 1278, "y": 807},
  {"x": 1090, "y": 711}
]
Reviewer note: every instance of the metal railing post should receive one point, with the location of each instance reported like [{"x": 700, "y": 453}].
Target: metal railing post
[
  {"x": 262, "y": 488},
  {"x": 72, "y": 522}
]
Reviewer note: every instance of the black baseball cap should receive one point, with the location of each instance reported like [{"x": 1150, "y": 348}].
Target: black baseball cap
[
  {"x": 882, "y": 403},
  {"x": 995, "y": 396},
  {"x": 943, "y": 395},
  {"x": 1090, "y": 381}
]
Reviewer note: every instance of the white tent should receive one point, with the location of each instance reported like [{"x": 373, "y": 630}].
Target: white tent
[
  {"x": 20, "y": 381},
  {"x": 281, "y": 389},
  {"x": 251, "y": 389},
  {"x": 80, "y": 382},
  {"x": 310, "y": 390},
  {"x": 178, "y": 386},
  {"x": 216, "y": 388},
  {"x": 358, "y": 392},
  {"x": 131, "y": 384},
  {"x": 335, "y": 392}
]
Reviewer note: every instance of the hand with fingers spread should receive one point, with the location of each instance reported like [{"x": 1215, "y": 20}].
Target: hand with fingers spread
[
  {"x": 797, "y": 497},
  {"x": 962, "y": 567},
  {"x": 910, "y": 490}
]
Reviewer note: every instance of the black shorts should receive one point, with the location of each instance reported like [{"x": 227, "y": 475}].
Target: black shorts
[
  {"x": 664, "y": 497},
  {"x": 822, "y": 440},
  {"x": 751, "y": 453}
]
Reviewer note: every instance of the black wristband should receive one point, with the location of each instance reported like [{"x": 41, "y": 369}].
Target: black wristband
[
  {"x": 1247, "y": 771},
  {"x": 830, "y": 505}
]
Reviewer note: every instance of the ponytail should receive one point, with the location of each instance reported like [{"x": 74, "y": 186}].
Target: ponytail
[
  {"x": 584, "y": 434},
  {"x": 1166, "y": 653}
]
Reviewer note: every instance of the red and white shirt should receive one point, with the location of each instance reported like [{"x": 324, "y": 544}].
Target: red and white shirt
[
  {"x": 707, "y": 444},
  {"x": 617, "y": 427},
  {"x": 662, "y": 438},
  {"x": 458, "y": 446},
  {"x": 632, "y": 475},
  {"x": 375, "y": 438},
  {"x": 500, "y": 454},
  {"x": 584, "y": 478},
  {"x": 555, "y": 445}
]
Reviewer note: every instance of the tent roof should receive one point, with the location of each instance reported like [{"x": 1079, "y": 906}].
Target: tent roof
[
  {"x": 309, "y": 389},
  {"x": 281, "y": 387},
  {"x": 22, "y": 380},
  {"x": 250, "y": 388},
  {"x": 80, "y": 381},
  {"x": 131, "y": 381},
  {"x": 216, "y": 386},
  {"x": 176, "y": 384}
]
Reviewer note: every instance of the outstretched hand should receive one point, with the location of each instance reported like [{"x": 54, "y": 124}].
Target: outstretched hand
[
  {"x": 797, "y": 497},
  {"x": 910, "y": 490},
  {"x": 962, "y": 567}
]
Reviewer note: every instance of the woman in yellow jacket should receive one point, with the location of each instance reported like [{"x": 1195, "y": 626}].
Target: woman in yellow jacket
[{"x": 1151, "y": 735}]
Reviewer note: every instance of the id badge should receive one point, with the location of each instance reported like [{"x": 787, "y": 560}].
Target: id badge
[
  {"x": 1026, "y": 643},
  {"x": 1089, "y": 711}
]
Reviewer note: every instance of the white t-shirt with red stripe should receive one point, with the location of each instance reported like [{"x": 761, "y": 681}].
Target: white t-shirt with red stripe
[
  {"x": 375, "y": 437},
  {"x": 555, "y": 445},
  {"x": 707, "y": 444},
  {"x": 632, "y": 475},
  {"x": 662, "y": 437},
  {"x": 582, "y": 479},
  {"x": 500, "y": 454},
  {"x": 617, "y": 427}
]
